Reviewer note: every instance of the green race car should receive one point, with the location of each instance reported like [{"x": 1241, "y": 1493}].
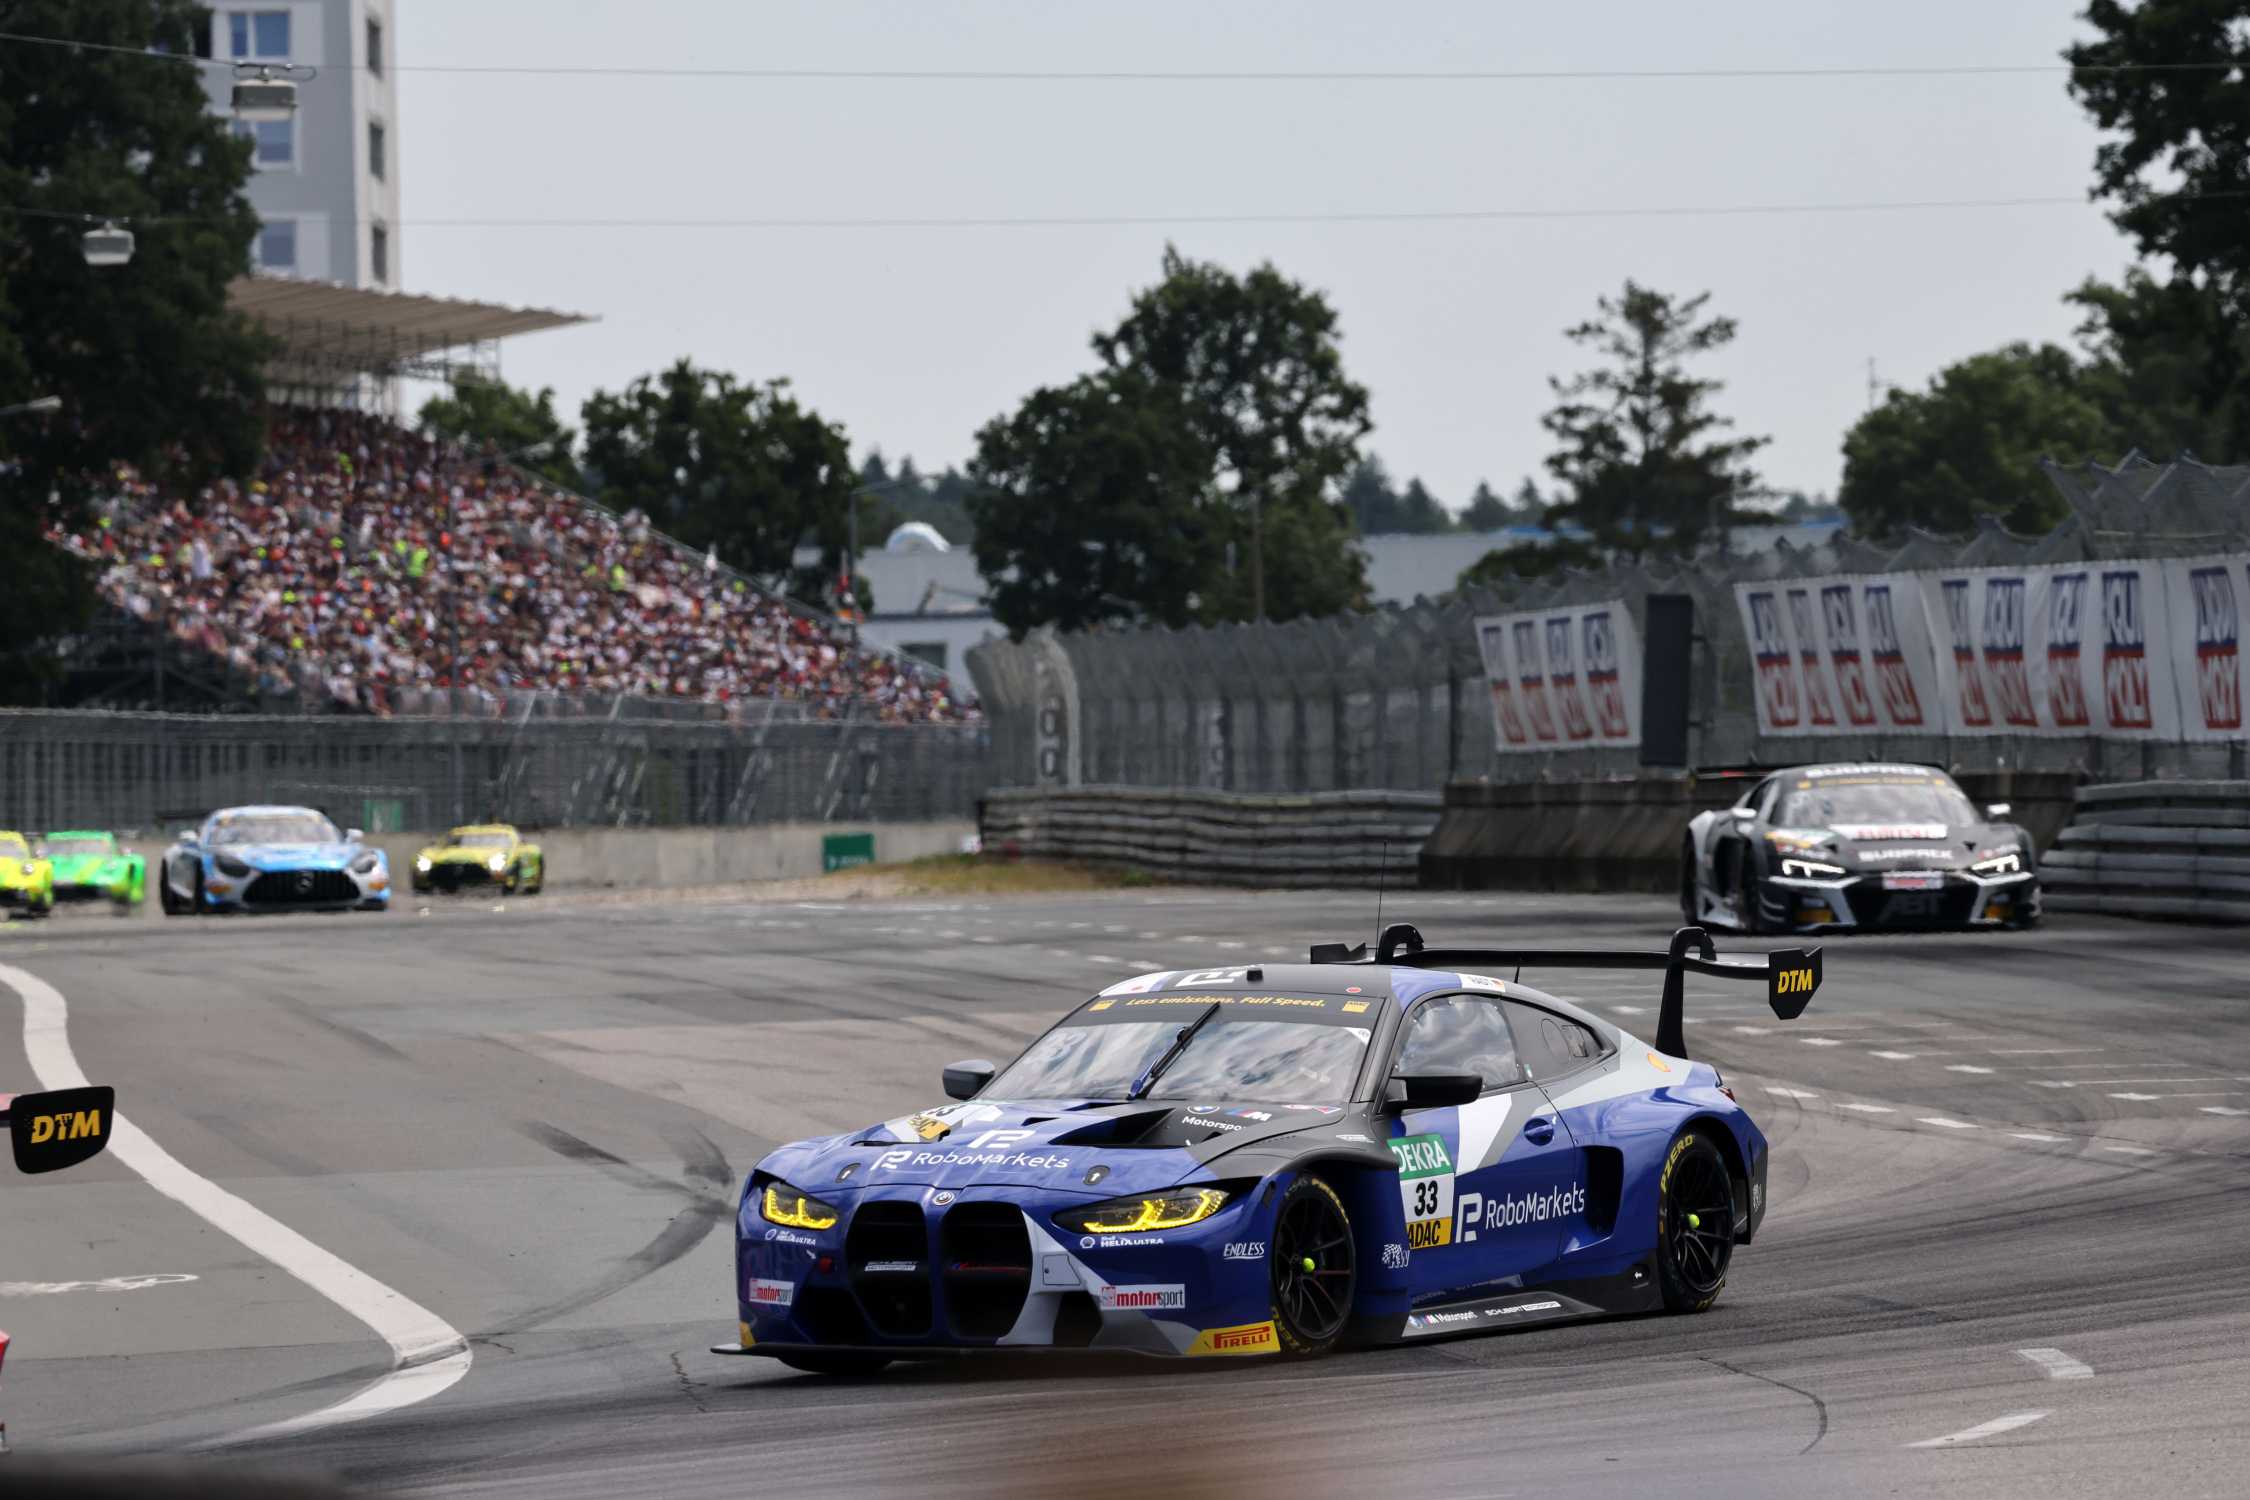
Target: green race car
[
  {"x": 88, "y": 865},
  {"x": 484, "y": 855},
  {"x": 27, "y": 882}
]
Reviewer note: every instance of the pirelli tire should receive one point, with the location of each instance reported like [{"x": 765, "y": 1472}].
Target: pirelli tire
[
  {"x": 1314, "y": 1268},
  {"x": 1747, "y": 902},
  {"x": 1694, "y": 1223},
  {"x": 844, "y": 1363}
]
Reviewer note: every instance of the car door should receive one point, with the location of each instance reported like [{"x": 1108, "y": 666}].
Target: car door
[{"x": 1482, "y": 1183}]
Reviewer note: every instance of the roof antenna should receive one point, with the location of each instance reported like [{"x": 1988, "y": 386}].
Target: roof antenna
[{"x": 1382, "y": 872}]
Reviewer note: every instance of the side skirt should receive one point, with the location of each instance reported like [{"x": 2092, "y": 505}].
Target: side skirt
[{"x": 1557, "y": 1302}]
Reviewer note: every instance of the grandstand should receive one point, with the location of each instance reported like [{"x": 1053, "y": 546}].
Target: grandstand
[{"x": 368, "y": 568}]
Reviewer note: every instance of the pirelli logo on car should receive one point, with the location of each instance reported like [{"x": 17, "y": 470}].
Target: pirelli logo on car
[{"x": 1248, "y": 1338}]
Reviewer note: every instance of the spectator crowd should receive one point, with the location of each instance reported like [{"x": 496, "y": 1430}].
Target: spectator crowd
[{"x": 380, "y": 567}]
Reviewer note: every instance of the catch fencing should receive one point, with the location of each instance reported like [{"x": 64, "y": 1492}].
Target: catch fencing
[
  {"x": 1542, "y": 682},
  {"x": 136, "y": 771},
  {"x": 1330, "y": 839},
  {"x": 2155, "y": 849}
]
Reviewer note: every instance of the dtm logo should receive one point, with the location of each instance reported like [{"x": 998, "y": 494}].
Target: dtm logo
[
  {"x": 1480, "y": 1212},
  {"x": 77, "y": 1125},
  {"x": 1793, "y": 982}
]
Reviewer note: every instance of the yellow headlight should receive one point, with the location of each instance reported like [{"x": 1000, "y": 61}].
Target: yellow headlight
[
  {"x": 785, "y": 1205},
  {"x": 1138, "y": 1215}
]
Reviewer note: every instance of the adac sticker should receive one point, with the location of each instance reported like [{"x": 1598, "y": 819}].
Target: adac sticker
[
  {"x": 1249, "y": 1338},
  {"x": 1425, "y": 1190}
]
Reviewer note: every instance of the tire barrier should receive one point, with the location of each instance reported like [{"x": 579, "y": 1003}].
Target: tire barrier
[
  {"x": 2155, "y": 849},
  {"x": 1219, "y": 838}
]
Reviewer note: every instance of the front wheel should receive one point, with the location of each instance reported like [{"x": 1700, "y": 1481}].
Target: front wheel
[
  {"x": 1694, "y": 1224},
  {"x": 839, "y": 1362},
  {"x": 1314, "y": 1270},
  {"x": 1752, "y": 916}
]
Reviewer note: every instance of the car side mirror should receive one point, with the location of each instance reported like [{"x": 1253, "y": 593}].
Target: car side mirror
[
  {"x": 1742, "y": 814},
  {"x": 1997, "y": 809},
  {"x": 354, "y": 835},
  {"x": 1432, "y": 1090},
  {"x": 964, "y": 1079},
  {"x": 187, "y": 835}
]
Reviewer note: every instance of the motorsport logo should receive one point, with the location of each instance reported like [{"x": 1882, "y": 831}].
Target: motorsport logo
[
  {"x": 771, "y": 1293},
  {"x": 1141, "y": 1298},
  {"x": 1479, "y": 1212}
]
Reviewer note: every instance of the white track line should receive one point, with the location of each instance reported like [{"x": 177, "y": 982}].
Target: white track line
[
  {"x": 2028, "y": 1135},
  {"x": 428, "y": 1354},
  {"x": 2058, "y": 1365},
  {"x": 1869, "y": 1109},
  {"x": 1992, "y": 1428},
  {"x": 1941, "y": 1120}
]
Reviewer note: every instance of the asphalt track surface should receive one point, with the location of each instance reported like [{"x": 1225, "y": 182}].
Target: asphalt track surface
[{"x": 533, "y": 1122}]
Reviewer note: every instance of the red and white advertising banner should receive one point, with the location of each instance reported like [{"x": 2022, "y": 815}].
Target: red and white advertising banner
[
  {"x": 2207, "y": 598},
  {"x": 2086, "y": 648},
  {"x": 1841, "y": 655},
  {"x": 1563, "y": 678}
]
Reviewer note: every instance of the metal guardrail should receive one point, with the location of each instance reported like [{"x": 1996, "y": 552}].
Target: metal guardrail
[
  {"x": 1220, "y": 838},
  {"x": 148, "y": 771},
  {"x": 2155, "y": 849}
]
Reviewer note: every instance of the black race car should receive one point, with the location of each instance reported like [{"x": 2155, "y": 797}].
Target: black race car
[{"x": 1857, "y": 846}]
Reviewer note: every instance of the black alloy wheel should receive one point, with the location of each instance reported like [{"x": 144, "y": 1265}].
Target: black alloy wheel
[
  {"x": 1694, "y": 1224},
  {"x": 1314, "y": 1269}
]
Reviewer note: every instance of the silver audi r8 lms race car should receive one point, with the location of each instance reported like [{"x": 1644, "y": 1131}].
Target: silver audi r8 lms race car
[{"x": 1843, "y": 846}]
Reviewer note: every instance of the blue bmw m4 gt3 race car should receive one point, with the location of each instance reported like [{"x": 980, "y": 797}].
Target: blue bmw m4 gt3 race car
[
  {"x": 1276, "y": 1159},
  {"x": 271, "y": 859}
]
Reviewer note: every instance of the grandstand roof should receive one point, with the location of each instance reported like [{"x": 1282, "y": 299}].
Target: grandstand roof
[{"x": 329, "y": 331}]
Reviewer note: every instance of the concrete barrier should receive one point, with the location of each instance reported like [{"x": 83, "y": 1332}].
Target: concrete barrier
[
  {"x": 2155, "y": 849},
  {"x": 1625, "y": 835},
  {"x": 1223, "y": 838}
]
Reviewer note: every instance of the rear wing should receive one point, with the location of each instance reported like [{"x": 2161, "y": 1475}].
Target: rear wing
[
  {"x": 59, "y": 1128},
  {"x": 1791, "y": 975}
]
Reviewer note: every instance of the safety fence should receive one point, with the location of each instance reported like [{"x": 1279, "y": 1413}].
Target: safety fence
[
  {"x": 139, "y": 771},
  {"x": 1323, "y": 839},
  {"x": 1544, "y": 680},
  {"x": 2155, "y": 849}
]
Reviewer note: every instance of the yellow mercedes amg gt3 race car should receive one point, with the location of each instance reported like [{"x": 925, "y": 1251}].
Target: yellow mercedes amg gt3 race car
[
  {"x": 481, "y": 855},
  {"x": 27, "y": 882}
]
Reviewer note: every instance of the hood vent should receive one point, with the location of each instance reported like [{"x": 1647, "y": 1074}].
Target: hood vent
[{"x": 1117, "y": 1130}]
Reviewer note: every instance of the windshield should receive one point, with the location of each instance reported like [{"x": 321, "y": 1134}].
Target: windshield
[
  {"x": 273, "y": 828},
  {"x": 479, "y": 841},
  {"x": 13, "y": 847},
  {"x": 1254, "y": 1061},
  {"x": 63, "y": 848},
  {"x": 1874, "y": 802}
]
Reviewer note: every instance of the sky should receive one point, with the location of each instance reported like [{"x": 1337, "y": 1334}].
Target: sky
[{"x": 914, "y": 337}]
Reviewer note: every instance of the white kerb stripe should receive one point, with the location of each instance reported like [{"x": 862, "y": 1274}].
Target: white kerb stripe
[
  {"x": 1992, "y": 1428},
  {"x": 428, "y": 1353},
  {"x": 2058, "y": 1365}
]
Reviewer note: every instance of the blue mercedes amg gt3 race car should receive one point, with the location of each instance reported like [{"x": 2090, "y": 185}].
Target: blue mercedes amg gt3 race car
[
  {"x": 1276, "y": 1159},
  {"x": 271, "y": 859}
]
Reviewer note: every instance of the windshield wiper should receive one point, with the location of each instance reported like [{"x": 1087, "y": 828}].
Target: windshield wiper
[{"x": 1147, "y": 1080}]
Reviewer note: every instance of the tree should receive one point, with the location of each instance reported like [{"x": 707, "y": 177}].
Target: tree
[
  {"x": 1642, "y": 463},
  {"x": 2169, "y": 364},
  {"x": 495, "y": 416},
  {"x": 2178, "y": 150},
  {"x": 1090, "y": 505},
  {"x": 1260, "y": 381},
  {"x": 718, "y": 463},
  {"x": 1970, "y": 445},
  {"x": 1505, "y": 565},
  {"x": 151, "y": 366},
  {"x": 1487, "y": 511}
]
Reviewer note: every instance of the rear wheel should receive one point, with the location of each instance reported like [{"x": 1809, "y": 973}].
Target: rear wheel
[
  {"x": 1694, "y": 1224},
  {"x": 1314, "y": 1270},
  {"x": 838, "y": 1362}
]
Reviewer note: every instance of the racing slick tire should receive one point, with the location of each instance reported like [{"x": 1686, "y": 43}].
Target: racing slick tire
[
  {"x": 196, "y": 908},
  {"x": 1752, "y": 917},
  {"x": 843, "y": 1362},
  {"x": 1314, "y": 1268},
  {"x": 165, "y": 900},
  {"x": 1688, "y": 903},
  {"x": 1694, "y": 1223}
]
